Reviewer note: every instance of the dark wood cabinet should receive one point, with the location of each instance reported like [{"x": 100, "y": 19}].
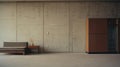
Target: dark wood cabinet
[
  {"x": 101, "y": 35},
  {"x": 97, "y": 35},
  {"x": 119, "y": 35},
  {"x": 34, "y": 49}
]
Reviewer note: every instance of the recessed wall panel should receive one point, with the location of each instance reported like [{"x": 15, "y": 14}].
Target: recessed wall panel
[
  {"x": 7, "y": 22},
  {"x": 56, "y": 27},
  {"x": 30, "y": 22},
  {"x": 78, "y": 14}
]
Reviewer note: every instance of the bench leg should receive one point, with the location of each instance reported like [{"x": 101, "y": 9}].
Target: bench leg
[{"x": 23, "y": 53}]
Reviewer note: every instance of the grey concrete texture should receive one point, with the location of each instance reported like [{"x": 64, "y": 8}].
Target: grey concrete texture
[
  {"x": 54, "y": 26},
  {"x": 60, "y": 60}
]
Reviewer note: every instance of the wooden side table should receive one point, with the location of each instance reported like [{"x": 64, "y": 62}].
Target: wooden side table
[{"x": 34, "y": 49}]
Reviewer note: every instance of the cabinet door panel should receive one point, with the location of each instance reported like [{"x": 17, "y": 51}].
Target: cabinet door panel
[
  {"x": 98, "y": 36},
  {"x": 97, "y": 26},
  {"x": 98, "y": 43},
  {"x": 118, "y": 35}
]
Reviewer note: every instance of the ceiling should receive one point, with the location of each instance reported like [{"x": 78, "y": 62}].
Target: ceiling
[{"x": 65, "y": 0}]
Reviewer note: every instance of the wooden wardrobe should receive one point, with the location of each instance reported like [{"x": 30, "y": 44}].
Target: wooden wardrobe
[
  {"x": 102, "y": 35},
  {"x": 119, "y": 35}
]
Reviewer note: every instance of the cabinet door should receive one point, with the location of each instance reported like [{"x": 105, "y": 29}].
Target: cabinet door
[
  {"x": 98, "y": 37},
  {"x": 118, "y": 35}
]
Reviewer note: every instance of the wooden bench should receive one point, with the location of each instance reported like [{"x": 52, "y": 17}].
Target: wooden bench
[{"x": 15, "y": 47}]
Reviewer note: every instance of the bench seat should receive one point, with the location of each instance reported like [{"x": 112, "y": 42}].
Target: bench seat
[{"x": 15, "y": 47}]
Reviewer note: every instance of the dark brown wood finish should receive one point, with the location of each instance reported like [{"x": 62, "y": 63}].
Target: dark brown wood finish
[
  {"x": 119, "y": 35},
  {"x": 34, "y": 49},
  {"x": 98, "y": 37}
]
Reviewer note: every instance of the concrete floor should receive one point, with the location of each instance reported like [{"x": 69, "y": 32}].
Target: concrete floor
[{"x": 60, "y": 60}]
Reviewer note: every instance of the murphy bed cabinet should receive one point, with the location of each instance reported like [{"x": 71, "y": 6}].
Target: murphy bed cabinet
[{"x": 102, "y": 35}]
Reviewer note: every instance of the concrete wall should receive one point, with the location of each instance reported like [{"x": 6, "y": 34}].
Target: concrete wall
[
  {"x": 102, "y": 10},
  {"x": 30, "y": 23},
  {"x": 55, "y": 26},
  {"x": 7, "y": 22},
  {"x": 78, "y": 15}
]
